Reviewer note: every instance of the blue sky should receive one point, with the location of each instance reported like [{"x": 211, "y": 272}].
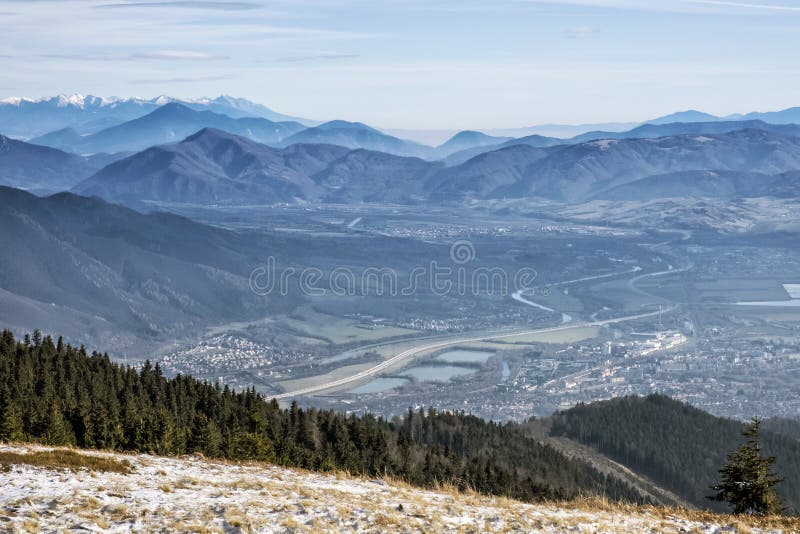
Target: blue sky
[{"x": 413, "y": 63}]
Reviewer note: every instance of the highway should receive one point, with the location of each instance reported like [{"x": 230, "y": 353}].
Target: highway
[{"x": 414, "y": 351}]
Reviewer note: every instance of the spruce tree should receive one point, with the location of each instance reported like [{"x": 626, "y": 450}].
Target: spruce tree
[
  {"x": 748, "y": 483},
  {"x": 11, "y": 423}
]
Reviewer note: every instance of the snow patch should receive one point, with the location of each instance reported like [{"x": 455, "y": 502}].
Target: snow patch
[
  {"x": 603, "y": 144},
  {"x": 192, "y": 494}
]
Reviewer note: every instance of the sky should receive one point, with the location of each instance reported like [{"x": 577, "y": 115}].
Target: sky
[{"x": 447, "y": 64}]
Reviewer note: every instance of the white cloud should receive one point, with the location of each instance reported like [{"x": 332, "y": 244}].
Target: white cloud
[
  {"x": 190, "y": 4},
  {"x": 322, "y": 56},
  {"x": 185, "y": 79},
  {"x": 744, "y": 5},
  {"x": 179, "y": 55},
  {"x": 689, "y": 6}
]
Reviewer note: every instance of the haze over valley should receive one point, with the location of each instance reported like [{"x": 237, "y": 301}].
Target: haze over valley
[
  {"x": 399, "y": 266},
  {"x": 645, "y": 247}
]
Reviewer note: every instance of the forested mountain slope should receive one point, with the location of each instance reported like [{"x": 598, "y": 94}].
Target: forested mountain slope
[
  {"x": 59, "y": 395},
  {"x": 678, "y": 446},
  {"x": 89, "y": 270}
]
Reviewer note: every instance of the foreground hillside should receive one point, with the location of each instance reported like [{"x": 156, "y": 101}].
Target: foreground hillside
[{"x": 45, "y": 489}]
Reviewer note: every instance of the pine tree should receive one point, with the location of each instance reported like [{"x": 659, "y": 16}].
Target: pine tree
[
  {"x": 748, "y": 483},
  {"x": 11, "y": 423},
  {"x": 56, "y": 429}
]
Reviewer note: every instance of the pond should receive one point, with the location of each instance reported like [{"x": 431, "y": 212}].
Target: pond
[
  {"x": 465, "y": 356},
  {"x": 436, "y": 373}
]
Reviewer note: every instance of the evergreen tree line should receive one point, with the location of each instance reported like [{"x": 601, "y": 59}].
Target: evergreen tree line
[
  {"x": 783, "y": 426},
  {"x": 57, "y": 394},
  {"x": 678, "y": 446}
]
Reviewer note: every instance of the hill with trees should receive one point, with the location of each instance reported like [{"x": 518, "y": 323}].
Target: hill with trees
[
  {"x": 57, "y": 394},
  {"x": 679, "y": 447}
]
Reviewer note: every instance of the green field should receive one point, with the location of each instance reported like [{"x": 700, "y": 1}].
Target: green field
[
  {"x": 740, "y": 289},
  {"x": 337, "y": 330}
]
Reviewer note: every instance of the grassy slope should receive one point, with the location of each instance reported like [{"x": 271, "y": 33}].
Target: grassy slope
[{"x": 193, "y": 494}]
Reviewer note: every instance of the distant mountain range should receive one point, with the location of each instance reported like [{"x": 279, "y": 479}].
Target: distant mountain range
[
  {"x": 468, "y": 139},
  {"x": 481, "y": 176},
  {"x": 175, "y": 121},
  {"x": 214, "y": 166},
  {"x": 691, "y": 115},
  {"x": 29, "y": 117},
  {"x": 26, "y": 118},
  {"x": 648, "y": 131},
  {"x": 786, "y": 116},
  {"x": 582, "y": 171},
  {"x": 217, "y": 167},
  {"x": 645, "y": 131},
  {"x": 187, "y": 153},
  {"x": 42, "y": 169},
  {"x": 167, "y": 124},
  {"x": 358, "y": 135}
]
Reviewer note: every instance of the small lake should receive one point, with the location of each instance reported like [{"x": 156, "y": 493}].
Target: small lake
[
  {"x": 465, "y": 356},
  {"x": 379, "y": 384},
  {"x": 436, "y": 373}
]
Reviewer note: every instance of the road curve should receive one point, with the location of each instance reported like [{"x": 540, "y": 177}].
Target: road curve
[{"x": 410, "y": 353}]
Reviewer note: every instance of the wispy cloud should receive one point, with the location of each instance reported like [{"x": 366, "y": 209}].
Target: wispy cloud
[
  {"x": 177, "y": 55},
  {"x": 728, "y": 6},
  {"x": 187, "y": 79},
  {"x": 643, "y": 5},
  {"x": 315, "y": 57},
  {"x": 187, "y": 4},
  {"x": 462, "y": 6},
  {"x": 745, "y": 5},
  {"x": 164, "y": 55},
  {"x": 82, "y": 57},
  {"x": 309, "y": 33}
]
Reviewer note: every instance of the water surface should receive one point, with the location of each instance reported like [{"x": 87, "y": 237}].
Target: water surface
[
  {"x": 465, "y": 356},
  {"x": 436, "y": 373}
]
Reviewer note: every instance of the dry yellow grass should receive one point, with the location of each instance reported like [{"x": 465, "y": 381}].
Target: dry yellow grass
[
  {"x": 741, "y": 523},
  {"x": 64, "y": 459},
  {"x": 213, "y": 496}
]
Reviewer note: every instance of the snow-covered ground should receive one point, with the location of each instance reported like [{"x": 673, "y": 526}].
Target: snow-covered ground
[{"x": 191, "y": 494}]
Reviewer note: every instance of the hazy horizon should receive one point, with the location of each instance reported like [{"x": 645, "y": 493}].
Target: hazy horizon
[{"x": 417, "y": 64}]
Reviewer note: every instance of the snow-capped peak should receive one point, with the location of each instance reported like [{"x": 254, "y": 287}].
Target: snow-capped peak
[
  {"x": 82, "y": 101},
  {"x": 18, "y": 100},
  {"x": 12, "y": 100},
  {"x": 76, "y": 99},
  {"x": 163, "y": 99}
]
